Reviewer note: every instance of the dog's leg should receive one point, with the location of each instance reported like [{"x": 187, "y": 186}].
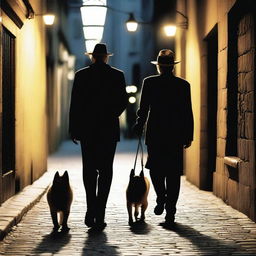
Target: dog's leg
[
  {"x": 136, "y": 212},
  {"x": 55, "y": 220},
  {"x": 129, "y": 209},
  {"x": 65, "y": 221},
  {"x": 144, "y": 207}
]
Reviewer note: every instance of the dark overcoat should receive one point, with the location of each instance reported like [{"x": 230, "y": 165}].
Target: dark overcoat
[
  {"x": 98, "y": 99},
  {"x": 166, "y": 107}
]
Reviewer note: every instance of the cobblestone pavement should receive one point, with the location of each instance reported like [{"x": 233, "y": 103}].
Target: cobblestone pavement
[{"x": 205, "y": 225}]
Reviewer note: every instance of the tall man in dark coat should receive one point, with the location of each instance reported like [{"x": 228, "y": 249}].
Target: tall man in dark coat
[
  {"x": 166, "y": 108},
  {"x": 98, "y": 99}
]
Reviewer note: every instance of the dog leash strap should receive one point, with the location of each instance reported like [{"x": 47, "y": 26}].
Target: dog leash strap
[
  {"x": 141, "y": 147},
  {"x": 138, "y": 147},
  {"x": 137, "y": 152}
]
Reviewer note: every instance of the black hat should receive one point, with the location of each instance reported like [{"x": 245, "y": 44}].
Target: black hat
[
  {"x": 165, "y": 58},
  {"x": 99, "y": 49}
]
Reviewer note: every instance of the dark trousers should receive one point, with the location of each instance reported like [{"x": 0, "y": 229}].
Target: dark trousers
[
  {"x": 97, "y": 175},
  {"x": 167, "y": 187},
  {"x": 165, "y": 164}
]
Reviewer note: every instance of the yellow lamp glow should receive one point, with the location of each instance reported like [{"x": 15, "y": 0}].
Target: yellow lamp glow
[
  {"x": 131, "y": 89},
  {"x": 170, "y": 30},
  {"x": 132, "y": 100},
  {"x": 49, "y": 19}
]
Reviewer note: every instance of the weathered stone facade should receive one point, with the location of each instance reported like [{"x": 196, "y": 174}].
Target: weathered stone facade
[{"x": 235, "y": 172}]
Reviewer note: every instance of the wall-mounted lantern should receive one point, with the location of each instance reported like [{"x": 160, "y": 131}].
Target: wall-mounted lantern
[
  {"x": 170, "y": 29},
  {"x": 48, "y": 19}
]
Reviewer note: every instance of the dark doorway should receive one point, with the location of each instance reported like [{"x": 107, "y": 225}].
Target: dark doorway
[
  {"x": 8, "y": 117},
  {"x": 212, "y": 101}
]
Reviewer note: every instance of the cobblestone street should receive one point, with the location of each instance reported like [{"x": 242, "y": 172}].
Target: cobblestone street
[{"x": 205, "y": 225}]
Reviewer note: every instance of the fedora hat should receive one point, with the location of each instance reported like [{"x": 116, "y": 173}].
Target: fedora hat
[
  {"x": 165, "y": 58},
  {"x": 99, "y": 49}
]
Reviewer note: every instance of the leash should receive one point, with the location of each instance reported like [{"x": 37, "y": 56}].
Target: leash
[{"x": 139, "y": 147}]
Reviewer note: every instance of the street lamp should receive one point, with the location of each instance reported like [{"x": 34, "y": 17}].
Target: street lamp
[
  {"x": 170, "y": 29},
  {"x": 93, "y": 17},
  {"x": 48, "y": 19},
  {"x": 131, "y": 23}
]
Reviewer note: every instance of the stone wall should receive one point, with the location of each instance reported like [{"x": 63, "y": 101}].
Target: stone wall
[
  {"x": 235, "y": 174},
  {"x": 234, "y": 179}
]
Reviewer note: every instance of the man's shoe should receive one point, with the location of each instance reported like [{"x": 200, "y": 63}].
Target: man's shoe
[
  {"x": 89, "y": 220},
  {"x": 98, "y": 227},
  {"x": 169, "y": 222},
  {"x": 159, "y": 209}
]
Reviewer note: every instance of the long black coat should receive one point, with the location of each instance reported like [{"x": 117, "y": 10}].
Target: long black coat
[
  {"x": 98, "y": 99},
  {"x": 166, "y": 107}
]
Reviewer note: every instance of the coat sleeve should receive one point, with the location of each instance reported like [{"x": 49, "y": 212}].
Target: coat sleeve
[
  {"x": 142, "y": 113},
  {"x": 122, "y": 99},
  {"x": 189, "y": 120},
  {"x": 74, "y": 109}
]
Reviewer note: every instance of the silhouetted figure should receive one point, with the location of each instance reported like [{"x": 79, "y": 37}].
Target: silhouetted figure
[
  {"x": 165, "y": 106},
  {"x": 98, "y": 99}
]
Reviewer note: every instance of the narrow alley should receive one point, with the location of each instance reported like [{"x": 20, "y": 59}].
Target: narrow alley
[{"x": 205, "y": 225}]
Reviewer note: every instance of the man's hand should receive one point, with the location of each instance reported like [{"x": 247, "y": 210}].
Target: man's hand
[
  {"x": 188, "y": 144},
  {"x": 74, "y": 140},
  {"x": 138, "y": 130}
]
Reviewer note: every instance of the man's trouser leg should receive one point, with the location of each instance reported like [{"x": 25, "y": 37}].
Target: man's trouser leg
[
  {"x": 158, "y": 181},
  {"x": 105, "y": 179},
  {"x": 173, "y": 188},
  {"x": 90, "y": 175}
]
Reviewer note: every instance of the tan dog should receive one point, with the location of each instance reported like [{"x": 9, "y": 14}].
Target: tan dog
[
  {"x": 136, "y": 196},
  {"x": 59, "y": 198}
]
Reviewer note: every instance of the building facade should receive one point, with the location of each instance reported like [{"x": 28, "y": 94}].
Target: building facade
[
  {"x": 27, "y": 95},
  {"x": 217, "y": 54}
]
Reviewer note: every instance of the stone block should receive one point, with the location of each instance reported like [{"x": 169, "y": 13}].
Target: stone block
[
  {"x": 222, "y": 31},
  {"x": 241, "y": 83},
  {"x": 244, "y": 199},
  {"x": 249, "y": 101},
  {"x": 245, "y": 24},
  {"x": 244, "y": 173},
  {"x": 222, "y": 59},
  {"x": 232, "y": 193},
  {"x": 249, "y": 81},
  {"x": 251, "y": 150},
  {"x": 222, "y": 8},
  {"x": 222, "y": 124},
  {"x": 249, "y": 125},
  {"x": 220, "y": 165},
  {"x": 222, "y": 78},
  {"x": 242, "y": 149},
  {"x": 240, "y": 126},
  {"x": 221, "y": 147},
  {"x": 222, "y": 99},
  {"x": 219, "y": 185},
  {"x": 246, "y": 62},
  {"x": 245, "y": 42}
]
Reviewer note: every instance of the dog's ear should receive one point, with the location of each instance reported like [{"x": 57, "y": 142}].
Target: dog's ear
[
  {"x": 56, "y": 176},
  {"x": 141, "y": 174},
  {"x": 65, "y": 176},
  {"x": 132, "y": 173}
]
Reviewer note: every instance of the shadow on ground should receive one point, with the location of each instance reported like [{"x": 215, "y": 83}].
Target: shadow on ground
[
  {"x": 97, "y": 244},
  {"x": 140, "y": 228},
  {"x": 207, "y": 245},
  {"x": 53, "y": 242}
]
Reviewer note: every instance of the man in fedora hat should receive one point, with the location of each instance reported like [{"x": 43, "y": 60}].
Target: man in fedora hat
[
  {"x": 98, "y": 99},
  {"x": 165, "y": 106}
]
